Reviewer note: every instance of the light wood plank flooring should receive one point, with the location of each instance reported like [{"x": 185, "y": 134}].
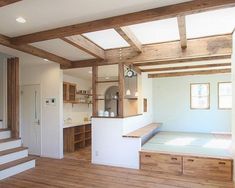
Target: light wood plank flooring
[
  {"x": 69, "y": 173},
  {"x": 83, "y": 154}
]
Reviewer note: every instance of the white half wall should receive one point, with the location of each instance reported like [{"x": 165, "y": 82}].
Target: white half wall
[
  {"x": 171, "y": 100},
  {"x": 50, "y": 78},
  {"x": 233, "y": 111}
]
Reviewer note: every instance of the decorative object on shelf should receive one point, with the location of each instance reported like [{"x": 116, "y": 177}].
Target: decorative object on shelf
[
  {"x": 106, "y": 114},
  {"x": 101, "y": 113},
  {"x": 112, "y": 114}
]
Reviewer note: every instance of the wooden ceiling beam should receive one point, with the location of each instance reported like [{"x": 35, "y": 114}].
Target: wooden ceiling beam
[
  {"x": 7, "y": 2},
  {"x": 207, "y": 48},
  {"x": 5, "y": 41},
  {"x": 130, "y": 38},
  {"x": 85, "y": 45},
  {"x": 170, "y": 11},
  {"x": 184, "y": 60},
  {"x": 182, "y": 31},
  {"x": 187, "y": 67},
  {"x": 189, "y": 73}
]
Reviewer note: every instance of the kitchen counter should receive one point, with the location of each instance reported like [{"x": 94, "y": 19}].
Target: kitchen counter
[{"x": 75, "y": 124}]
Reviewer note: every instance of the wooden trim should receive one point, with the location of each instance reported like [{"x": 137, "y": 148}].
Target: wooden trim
[
  {"x": 189, "y": 73},
  {"x": 208, "y": 97},
  {"x": 85, "y": 45},
  {"x": 125, "y": 20},
  {"x": 94, "y": 90},
  {"x": 121, "y": 91},
  {"x": 7, "y": 2},
  {"x": 130, "y": 38},
  {"x": 13, "y": 96},
  {"x": 107, "y": 81},
  {"x": 182, "y": 31},
  {"x": 5, "y": 41},
  {"x": 219, "y": 96},
  {"x": 187, "y": 67},
  {"x": 184, "y": 60}
]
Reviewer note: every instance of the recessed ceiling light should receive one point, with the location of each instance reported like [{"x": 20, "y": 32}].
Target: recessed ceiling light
[
  {"x": 90, "y": 72},
  {"x": 20, "y": 20},
  {"x": 45, "y": 59},
  {"x": 106, "y": 78}
]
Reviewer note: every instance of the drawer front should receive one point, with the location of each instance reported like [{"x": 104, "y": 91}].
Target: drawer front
[
  {"x": 208, "y": 168},
  {"x": 161, "y": 162}
]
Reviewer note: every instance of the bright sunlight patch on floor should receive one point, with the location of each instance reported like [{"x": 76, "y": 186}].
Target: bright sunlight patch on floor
[
  {"x": 218, "y": 144},
  {"x": 180, "y": 141}
]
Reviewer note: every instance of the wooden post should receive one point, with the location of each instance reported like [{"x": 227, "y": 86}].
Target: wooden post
[
  {"x": 13, "y": 96},
  {"x": 94, "y": 90},
  {"x": 121, "y": 90}
]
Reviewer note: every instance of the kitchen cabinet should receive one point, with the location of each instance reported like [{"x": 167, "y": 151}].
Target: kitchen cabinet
[{"x": 69, "y": 92}]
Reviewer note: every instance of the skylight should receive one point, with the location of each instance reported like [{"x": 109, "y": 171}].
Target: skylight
[
  {"x": 107, "y": 39},
  {"x": 210, "y": 23},
  {"x": 156, "y": 31}
]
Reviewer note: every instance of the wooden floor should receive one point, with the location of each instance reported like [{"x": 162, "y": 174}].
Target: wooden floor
[
  {"x": 83, "y": 154},
  {"x": 69, "y": 173}
]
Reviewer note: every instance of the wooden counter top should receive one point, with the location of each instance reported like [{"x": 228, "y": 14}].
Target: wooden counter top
[
  {"x": 75, "y": 124},
  {"x": 143, "y": 131}
]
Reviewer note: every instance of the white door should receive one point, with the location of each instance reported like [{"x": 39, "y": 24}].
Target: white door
[{"x": 31, "y": 118}]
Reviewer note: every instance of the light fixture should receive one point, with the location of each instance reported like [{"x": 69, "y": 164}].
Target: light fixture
[
  {"x": 45, "y": 59},
  {"x": 90, "y": 72},
  {"x": 128, "y": 92},
  {"x": 106, "y": 78},
  {"x": 20, "y": 20}
]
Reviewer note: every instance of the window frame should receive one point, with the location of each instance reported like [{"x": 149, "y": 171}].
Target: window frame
[
  {"x": 208, "y": 97},
  {"x": 219, "y": 108}
]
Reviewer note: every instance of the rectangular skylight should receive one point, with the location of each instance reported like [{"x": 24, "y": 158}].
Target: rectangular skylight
[
  {"x": 156, "y": 31},
  {"x": 107, "y": 39},
  {"x": 210, "y": 23}
]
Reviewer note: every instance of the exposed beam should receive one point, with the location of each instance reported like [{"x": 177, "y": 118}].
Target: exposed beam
[
  {"x": 184, "y": 60},
  {"x": 187, "y": 67},
  {"x": 182, "y": 31},
  {"x": 208, "y": 48},
  {"x": 5, "y": 41},
  {"x": 125, "y": 20},
  {"x": 130, "y": 38},
  {"x": 189, "y": 73},
  {"x": 82, "y": 43},
  {"x": 7, "y": 2}
]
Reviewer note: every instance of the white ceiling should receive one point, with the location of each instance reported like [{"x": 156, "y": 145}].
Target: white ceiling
[
  {"x": 63, "y": 49},
  {"x": 210, "y": 23},
  {"x": 157, "y": 31},
  {"x": 107, "y": 39},
  {"x": 48, "y": 14}
]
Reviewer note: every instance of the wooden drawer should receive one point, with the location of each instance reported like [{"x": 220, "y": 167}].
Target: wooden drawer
[
  {"x": 161, "y": 162},
  {"x": 209, "y": 168}
]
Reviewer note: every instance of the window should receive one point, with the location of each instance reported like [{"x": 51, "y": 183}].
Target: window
[
  {"x": 225, "y": 95},
  {"x": 200, "y": 96}
]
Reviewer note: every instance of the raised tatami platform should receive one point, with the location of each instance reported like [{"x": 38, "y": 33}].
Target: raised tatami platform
[{"x": 192, "y": 144}]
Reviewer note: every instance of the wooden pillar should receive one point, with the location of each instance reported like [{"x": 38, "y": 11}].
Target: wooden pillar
[
  {"x": 13, "y": 96},
  {"x": 94, "y": 90},
  {"x": 121, "y": 90}
]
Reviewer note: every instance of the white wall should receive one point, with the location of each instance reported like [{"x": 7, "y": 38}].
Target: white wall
[
  {"x": 233, "y": 111},
  {"x": 172, "y": 105},
  {"x": 77, "y": 111},
  {"x": 49, "y": 76},
  {"x": 1, "y": 86}
]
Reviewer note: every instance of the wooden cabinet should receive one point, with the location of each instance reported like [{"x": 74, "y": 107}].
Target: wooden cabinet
[
  {"x": 69, "y": 92},
  {"x": 77, "y": 137},
  {"x": 161, "y": 162},
  {"x": 217, "y": 169},
  {"x": 200, "y": 167}
]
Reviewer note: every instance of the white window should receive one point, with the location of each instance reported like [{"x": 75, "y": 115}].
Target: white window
[
  {"x": 200, "y": 96},
  {"x": 225, "y": 95}
]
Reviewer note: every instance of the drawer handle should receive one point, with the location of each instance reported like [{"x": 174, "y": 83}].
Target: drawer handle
[
  {"x": 190, "y": 160},
  {"x": 174, "y": 159},
  {"x": 148, "y": 156},
  {"x": 222, "y": 163}
]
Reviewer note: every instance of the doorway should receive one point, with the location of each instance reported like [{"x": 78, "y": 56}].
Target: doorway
[{"x": 31, "y": 118}]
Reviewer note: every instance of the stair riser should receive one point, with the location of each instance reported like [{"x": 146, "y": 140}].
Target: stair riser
[
  {"x": 10, "y": 145},
  {"x": 17, "y": 169},
  {"x": 13, "y": 156},
  {"x": 5, "y": 134}
]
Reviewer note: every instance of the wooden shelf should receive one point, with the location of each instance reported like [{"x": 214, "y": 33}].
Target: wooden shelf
[
  {"x": 78, "y": 141},
  {"x": 106, "y": 81},
  {"x": 83, "y": 94}
]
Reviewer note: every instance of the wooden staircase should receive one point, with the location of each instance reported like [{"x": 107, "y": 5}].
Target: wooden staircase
[{"x": 13, "y": 157}]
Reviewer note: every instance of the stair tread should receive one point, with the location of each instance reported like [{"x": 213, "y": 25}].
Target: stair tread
[
  {"x": 8, "y": 140},
  {"x": 9, "y": 151},
  {"x": 16, "y": 162},
  {"x": 2, "y": 130}
]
